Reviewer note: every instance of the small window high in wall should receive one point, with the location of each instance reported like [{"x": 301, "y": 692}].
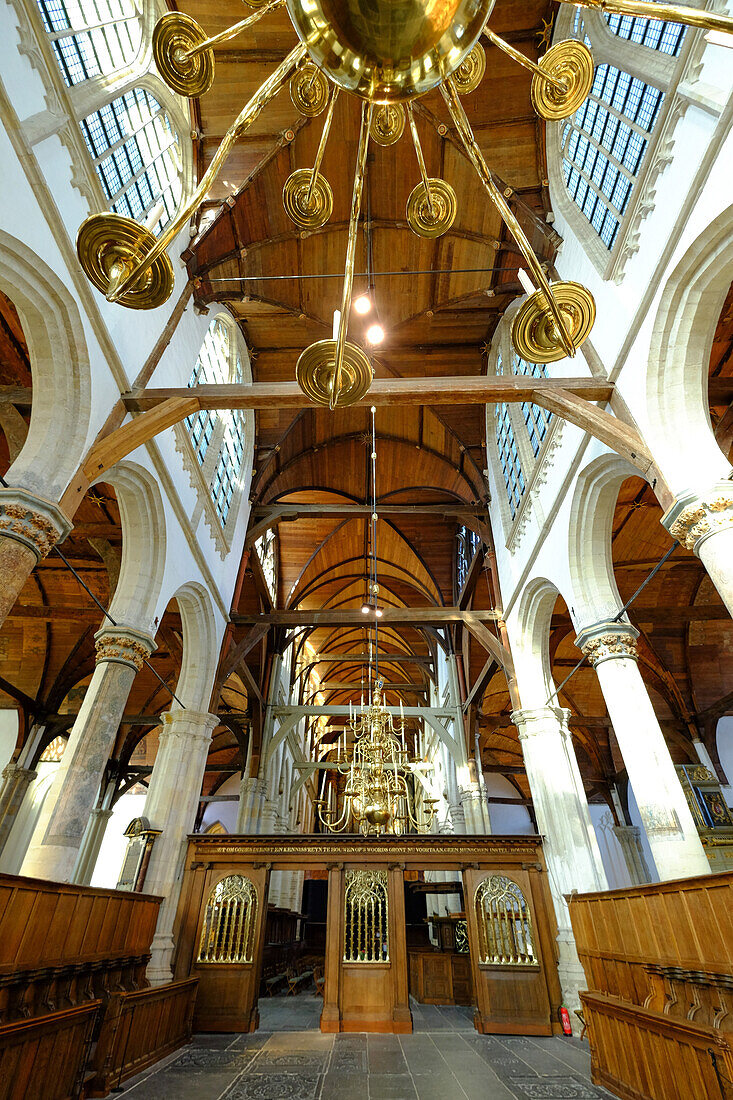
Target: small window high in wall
[
  {"x": 136, "y": 153},
  {"x": 91, "y": 37}
]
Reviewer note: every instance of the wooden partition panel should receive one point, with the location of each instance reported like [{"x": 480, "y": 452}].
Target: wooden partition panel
[
  {"x": 511, "y": 997},
  {"x": 44, "y": 1059},
  {"x": 139, "y": 1029}
]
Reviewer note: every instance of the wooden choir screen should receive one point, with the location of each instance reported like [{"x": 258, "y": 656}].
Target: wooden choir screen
[
  {"x": 366, "y": 936},
  {"x": 229, "y": 922},
  {"x": 658, "y": 961},
  {"x": 509, "y": 969}
]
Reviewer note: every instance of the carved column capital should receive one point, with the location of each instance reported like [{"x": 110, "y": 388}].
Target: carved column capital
[
  {"x": 534, "y": 721},
  {"x": 123, "y": 645},
  {"x": 36, "y": 523},
  {"x": 692, "y": 518},
  {"x": 190, "y": 725},
  {"x": 608, "y": 641}
]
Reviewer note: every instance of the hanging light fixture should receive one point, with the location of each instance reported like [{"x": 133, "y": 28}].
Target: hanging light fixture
[
  {"x": 377, "y": 794},
  {"x": 399, "y": 51}
]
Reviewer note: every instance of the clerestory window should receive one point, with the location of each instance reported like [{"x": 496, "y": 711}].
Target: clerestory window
[{"x": 91, "y": 37}]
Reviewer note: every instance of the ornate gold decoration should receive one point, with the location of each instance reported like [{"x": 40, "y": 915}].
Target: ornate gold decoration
[
  {"x": 400, "y": 50},
  {"x": 470, "y": 72},
  {"x": 535, "y": 333},
  {"x": 570, "y": 64},
  {"x": 174, "y": 35},
  {"x": 228, "y": 931},
  {"x": 700, "y": 520},
  {"x": 120, "y": 649},
  {"x": 315, "y": 372},
  {"x": 388, "y": 124},
  {"x": 309, "y": 91},
  {"x": 609, "y": 645},
  {"x": 433, "y": 216},
  {"x": 307, "y": 201},
  {"x": 23, "y": 523},
  {"x": 545, "y": 35},
  {"x": 504, "y": 923},
  {"x": 366, "y": 917},
  {"x": 110, "y": 247},
  {"x": 376, "y": 797}
]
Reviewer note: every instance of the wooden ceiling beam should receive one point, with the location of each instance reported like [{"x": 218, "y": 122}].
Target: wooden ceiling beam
[{"x": 391, "y": 616}]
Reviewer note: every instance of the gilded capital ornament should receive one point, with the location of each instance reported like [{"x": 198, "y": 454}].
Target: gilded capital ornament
[
  {"x": 36, "y": 523},
  {"x": 692, "y": 519},
  {"x": 124, "y": 646},
  {"x": 607, "y": 641}
]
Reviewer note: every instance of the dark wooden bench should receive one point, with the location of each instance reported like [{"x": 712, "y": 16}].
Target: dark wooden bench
[
  {"x": 296, "y": 979},
  {"x": 272, "y": 981}
]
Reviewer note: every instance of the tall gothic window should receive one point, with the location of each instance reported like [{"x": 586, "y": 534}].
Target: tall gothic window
[
  {"x": 136, "y": 152},
  {"x": 91, "y": 37},
  {"x": 467, "y": 543},
  {"x": 536, "y": 419},
  {"x": 266, "y": 548},
  {"x": 603, "y": 147},
  {"x": 656, "y": 34},
  {"x": 227, "y": 427},
  {"x": 511, "y": 465}
]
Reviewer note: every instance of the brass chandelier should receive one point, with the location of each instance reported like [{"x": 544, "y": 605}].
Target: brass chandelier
[
  {"x": 386, "y": 53},
  {"x": 377, "y": 797}
]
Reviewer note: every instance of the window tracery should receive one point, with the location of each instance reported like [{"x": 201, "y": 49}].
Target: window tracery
[
  {"x": 505, "y": 936},
  {"x": 467, "y": 543},
  {"x": 136, "y": 151},
  {"x": 520, "y": 429},
  {"x": 228, "y": 931},
  {"x": 91, "y": 37},
  {"x": 366, "y": 936}
]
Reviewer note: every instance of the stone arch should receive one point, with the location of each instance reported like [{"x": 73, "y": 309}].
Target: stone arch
[
  {"x": 60, "y": 371},
  {"x": 531, "y": 642},
  {"x": 680, "y": 431},
  {"x": 200, "y": 646},
  {"x": 595, "y": 593},
  {"x": 143, "y": 524}
]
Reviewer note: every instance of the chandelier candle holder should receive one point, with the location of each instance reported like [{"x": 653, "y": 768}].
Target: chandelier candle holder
[
  {"x": 387, "y": 54},
  {"x": 377, "y": 798}
]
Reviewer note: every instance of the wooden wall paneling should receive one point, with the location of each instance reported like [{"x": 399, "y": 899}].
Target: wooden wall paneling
[
  {"x": 510, "y": 999},
  {"x": 228, "y": 992},
  {"x": 43, "y": 1059},
  {"x": 190, "y": 905},
  {"x": 546, "y": 935},
  {"x": 331, "y": 1012},
  {"x": 401, "y": 1015}
]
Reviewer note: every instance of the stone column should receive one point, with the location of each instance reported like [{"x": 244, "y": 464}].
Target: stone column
[
  {"x": 611, "y": 649},
  {"x": 173, "y": 795},
  {"x": 629, "y": 837},
  {"x": 16, "y": 781},
  {"x": 563, "y": 819},
  {"x": 54, "y": 847},
  {"x": 705, "y": 526},
  {"x": 29, "y": 527},
  {"x": 90, "y": 845},
  {"x": 249, "y": 805}
]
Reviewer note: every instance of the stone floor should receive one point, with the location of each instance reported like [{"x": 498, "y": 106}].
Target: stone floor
[{"x": 444, "y": 1059}]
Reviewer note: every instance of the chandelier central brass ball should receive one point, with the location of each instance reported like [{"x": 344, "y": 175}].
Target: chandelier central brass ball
[{"x": 388, "y": 50}]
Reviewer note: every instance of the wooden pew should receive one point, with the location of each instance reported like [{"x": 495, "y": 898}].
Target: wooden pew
[{"x": 45, "y": 1058}]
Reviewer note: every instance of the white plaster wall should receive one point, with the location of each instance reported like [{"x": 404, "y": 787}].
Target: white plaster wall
[
  {"x": 8, "y": 735},
  {"x": 112, "y": 851},
  {"x": 225, "y": 812},
  {"x": 507, "y": 820}
]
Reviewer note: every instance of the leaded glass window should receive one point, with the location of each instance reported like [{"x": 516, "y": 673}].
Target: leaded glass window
[
  {"x": 511, "y": 465},
  {"x": 466, "y": 546},
  {"x": 136, "y": 153},
  {"x": 655, "y": 34},
  {"x": 536, "y": 419},
  {"x": 266, "y": 548},
  {"x": 91, "y": 37}
]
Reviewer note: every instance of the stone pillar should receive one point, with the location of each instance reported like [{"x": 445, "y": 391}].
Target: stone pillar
[
  {"x": 629, "y": 837},
  {"x": 90, "y": 845},
  {"x": 54, "y": 847},
  {"x": 16, "y": 781},
  {"x": 29, "y": 527},
  {"x": 173, "y": 795},
  {"x": 705, "y": 526},
  {"x": 611, "y": 649},
  {"x": 563, "y": 819},
  {"x": 249, "y": 805}
]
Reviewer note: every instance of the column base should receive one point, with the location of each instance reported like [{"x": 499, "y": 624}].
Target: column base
[
  {"x": 160, "y": 967},
  {"x": 571, "y": 974}
]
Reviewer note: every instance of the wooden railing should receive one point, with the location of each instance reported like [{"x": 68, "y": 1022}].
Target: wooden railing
[
  {"x": 139, "y": 1029},
  {"x": 44, "y": 1059},
  {"x": 658, "y": 962}
]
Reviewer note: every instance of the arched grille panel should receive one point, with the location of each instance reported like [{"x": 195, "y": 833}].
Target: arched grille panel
[
  {"x": 504, "y": 924},
  {"x": 366, "y": 938},
  {"x": 229, "y": 922}
]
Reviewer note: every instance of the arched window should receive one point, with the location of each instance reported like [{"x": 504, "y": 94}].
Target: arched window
[
  {"x": 504, "y": 923},
  {"x": 136, "y": 152},
  {"x": 225, "y": 428},
  {"x": 228, "y": 931},
  {"x": 511, "y": 465},
  {"x": 603, "y": 147},
  {"x": 266, "y": 549},
  {"x": 91, "y": 37},
  {"x": 536, "y": 419},
  {"x": 656, "y": 34},
  {"x": 467, "y": 543}
]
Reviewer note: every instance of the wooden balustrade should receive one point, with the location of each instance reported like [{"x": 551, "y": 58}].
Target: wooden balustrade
[
  {"x": 45, "y": 1058},
  {"x": 658, "y": 961},
  {"x": 139, "y": 1029}
]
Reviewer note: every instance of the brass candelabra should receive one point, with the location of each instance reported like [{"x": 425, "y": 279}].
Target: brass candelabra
[
  {"x": 388, "y": 55},
  {"x": 377, "y": 797}
]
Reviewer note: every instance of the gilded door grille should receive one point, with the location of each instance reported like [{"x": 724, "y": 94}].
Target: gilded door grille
[
  {"x": 504, "y": 923},
  {"x": 229, "y": 922},
  {"x": 366, "y": 938}
]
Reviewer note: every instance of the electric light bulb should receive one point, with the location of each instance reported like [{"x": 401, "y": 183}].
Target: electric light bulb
[
  {"x": 375, "y": 334},
  {"x": 365, "y": 609},
  {"x": 363, "y": 305},
  {"x": 378, "y": 612}
]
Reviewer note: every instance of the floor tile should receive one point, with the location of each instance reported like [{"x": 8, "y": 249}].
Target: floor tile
[
  {"x": 391, "y": 1086},
  {"x": 275, "y": 1086}
]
